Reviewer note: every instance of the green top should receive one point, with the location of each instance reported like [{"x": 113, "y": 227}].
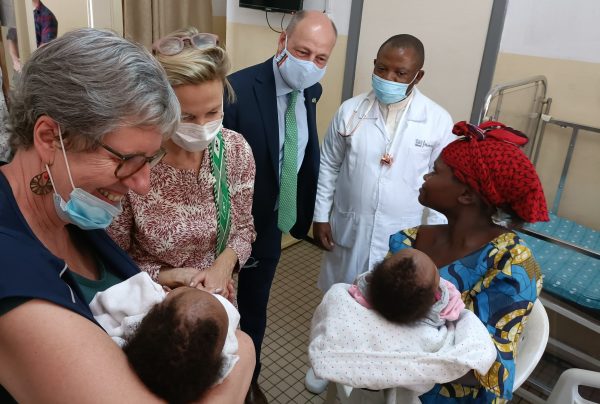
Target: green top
[{"x": 90, "y": 287}]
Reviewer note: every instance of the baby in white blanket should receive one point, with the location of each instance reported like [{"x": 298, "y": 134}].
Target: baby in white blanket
[
  {"x": 400, "y": 325},
  {"x": 179, "y": 343}
]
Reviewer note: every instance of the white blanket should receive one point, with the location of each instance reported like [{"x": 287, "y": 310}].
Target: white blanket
[
  {"x": 120, "y": 309},
  {"x": 354, "y": 346}
]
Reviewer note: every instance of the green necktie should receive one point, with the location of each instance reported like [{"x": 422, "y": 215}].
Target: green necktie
[{"x": 286, "y": 217}]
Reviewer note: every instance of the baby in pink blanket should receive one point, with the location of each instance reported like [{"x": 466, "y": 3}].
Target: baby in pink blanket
[{"x": 406, "y": 288}]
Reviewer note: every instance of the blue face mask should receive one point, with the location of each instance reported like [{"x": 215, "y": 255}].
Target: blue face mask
[
  {"x": 390, "y": 92},
  {"x": 84, "y": 210},
  {"x": 298, "y": 74}
]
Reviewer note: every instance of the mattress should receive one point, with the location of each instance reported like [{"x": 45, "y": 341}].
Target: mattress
[{"x": 568, "y": 274}]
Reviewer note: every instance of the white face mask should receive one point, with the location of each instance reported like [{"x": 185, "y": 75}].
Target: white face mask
[
  {"x": 298, "y": 74},
  {"x": 195, "y": 138}
]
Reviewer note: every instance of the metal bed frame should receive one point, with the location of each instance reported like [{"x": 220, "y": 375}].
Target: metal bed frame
[{"x": 538, "y": 121}]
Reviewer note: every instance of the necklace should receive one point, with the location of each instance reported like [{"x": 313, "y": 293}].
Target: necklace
[{"x": 387, "y": 159}]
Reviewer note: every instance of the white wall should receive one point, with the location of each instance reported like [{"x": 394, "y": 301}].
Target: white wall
[
  {"x": 554, "y": 29},
  {"x": 338, "y": 10},
  {"x": 453, "y": 36}
]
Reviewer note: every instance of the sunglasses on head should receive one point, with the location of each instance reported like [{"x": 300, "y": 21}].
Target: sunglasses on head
[{"x": 172, "y": 45}]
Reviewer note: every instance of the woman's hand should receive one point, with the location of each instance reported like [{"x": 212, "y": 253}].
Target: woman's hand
[
  {"x": 231, "y": 291},
  {"x": 176, "y": 277},
  {"x": 217, "y": 278}
]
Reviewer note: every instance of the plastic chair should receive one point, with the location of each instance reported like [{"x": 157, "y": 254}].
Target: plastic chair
[
  {"x": 566, "y": 390},
  {"x": 349, "y": 395},
  {"x": 533, "y": 343}
]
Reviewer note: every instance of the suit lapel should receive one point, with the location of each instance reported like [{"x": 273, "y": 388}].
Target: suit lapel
[
  {"x": 310, "y": 103},
  {"x": 266, "y": 99}
]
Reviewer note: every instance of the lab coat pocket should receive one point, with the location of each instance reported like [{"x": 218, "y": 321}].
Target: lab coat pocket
[{"x": 343, "y": 228}]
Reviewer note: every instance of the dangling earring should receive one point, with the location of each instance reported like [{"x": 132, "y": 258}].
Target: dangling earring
[{"x": 40, "y": 184}]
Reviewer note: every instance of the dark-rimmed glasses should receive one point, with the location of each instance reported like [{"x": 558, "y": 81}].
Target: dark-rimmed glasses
[
  {"x": 132, "y": 163},
  {"x": 172, "y": 45}
]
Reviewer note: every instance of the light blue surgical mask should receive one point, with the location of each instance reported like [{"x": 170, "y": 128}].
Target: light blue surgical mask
[
  {"x": 390, "y": 92},
  {"x": 83, "y": 209},
  {"x": 298, "y": 74}
]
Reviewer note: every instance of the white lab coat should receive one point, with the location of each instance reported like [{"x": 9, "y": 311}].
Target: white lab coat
[{"x": 365, "y": 201}]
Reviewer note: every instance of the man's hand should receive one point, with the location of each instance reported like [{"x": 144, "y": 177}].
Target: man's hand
[{"x": 322, "y": 235}]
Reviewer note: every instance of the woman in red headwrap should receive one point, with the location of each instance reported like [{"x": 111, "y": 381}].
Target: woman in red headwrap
[{"x": 484, "y": 184}]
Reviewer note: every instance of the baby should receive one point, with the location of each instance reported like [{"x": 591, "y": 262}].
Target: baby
[
  {"x": 405, "y": 288},
  {"x": 179, "y": 343},
  {"x": 408, "y": 329}
]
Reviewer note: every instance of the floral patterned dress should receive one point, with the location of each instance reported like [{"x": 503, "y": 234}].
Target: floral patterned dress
[
  {"x": 499, "y": 283},
  {"x": 175, "y": 224}
]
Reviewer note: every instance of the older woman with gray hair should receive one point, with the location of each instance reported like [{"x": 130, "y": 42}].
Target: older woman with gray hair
[{"x": 89, "y": 114}]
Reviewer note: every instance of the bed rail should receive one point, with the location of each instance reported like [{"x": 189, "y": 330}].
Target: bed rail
[{"x": 528, "y": 101}]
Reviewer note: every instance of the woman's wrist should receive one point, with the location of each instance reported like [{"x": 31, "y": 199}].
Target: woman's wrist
[
  {"x": 227, "y": 261},
  {"x": 165, "y": 277}
]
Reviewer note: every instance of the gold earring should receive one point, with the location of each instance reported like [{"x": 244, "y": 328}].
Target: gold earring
[{"x": 40, "y": 184}]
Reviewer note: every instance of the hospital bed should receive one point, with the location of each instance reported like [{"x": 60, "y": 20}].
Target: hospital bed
[{"x": 568, "y": 252}]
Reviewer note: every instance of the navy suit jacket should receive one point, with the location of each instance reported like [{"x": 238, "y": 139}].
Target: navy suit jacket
[{"x": 254, "y": 115}]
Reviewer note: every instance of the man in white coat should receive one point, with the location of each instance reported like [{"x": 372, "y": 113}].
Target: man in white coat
[{"x": 375, "y": 153}]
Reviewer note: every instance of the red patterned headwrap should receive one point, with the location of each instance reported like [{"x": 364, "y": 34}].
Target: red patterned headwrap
[{"x": 489, "y": 160}]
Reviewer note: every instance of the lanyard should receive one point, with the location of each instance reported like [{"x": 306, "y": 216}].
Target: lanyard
[{"x": 221, "y": 191}]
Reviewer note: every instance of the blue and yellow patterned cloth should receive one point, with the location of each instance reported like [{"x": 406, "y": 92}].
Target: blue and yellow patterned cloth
[{"x": 499, "y": 283}]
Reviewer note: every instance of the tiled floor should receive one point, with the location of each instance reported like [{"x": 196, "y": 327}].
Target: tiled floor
[{"x": 294, "y": 297}]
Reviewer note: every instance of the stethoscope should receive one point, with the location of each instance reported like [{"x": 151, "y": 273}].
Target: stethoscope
[{"x": 356, "y": 119}]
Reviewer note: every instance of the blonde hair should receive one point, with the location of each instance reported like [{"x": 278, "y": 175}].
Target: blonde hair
[{"x": 196, "y": 66}]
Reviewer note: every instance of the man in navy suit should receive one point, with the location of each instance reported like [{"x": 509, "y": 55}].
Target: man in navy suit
[{"x": 272, "y": 96}]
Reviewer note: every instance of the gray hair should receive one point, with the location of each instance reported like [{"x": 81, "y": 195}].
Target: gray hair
[{"x": 92, "y": 82}]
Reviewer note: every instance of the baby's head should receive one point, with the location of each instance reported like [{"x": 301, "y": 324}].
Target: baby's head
[
  {"x": 402, "y": 288},
  {"x": 176, "y": 349}
]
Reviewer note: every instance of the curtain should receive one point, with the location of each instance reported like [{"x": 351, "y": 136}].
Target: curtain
[{"x": 145, "y": 21}]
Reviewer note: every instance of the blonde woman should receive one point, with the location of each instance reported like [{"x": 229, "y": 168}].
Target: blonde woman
[{"x": 195, "y": 225}]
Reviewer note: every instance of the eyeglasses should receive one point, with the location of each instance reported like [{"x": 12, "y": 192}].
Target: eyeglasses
[
  {"x": 132, "y": 163},
  {"x": 172, "y": 45}
]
